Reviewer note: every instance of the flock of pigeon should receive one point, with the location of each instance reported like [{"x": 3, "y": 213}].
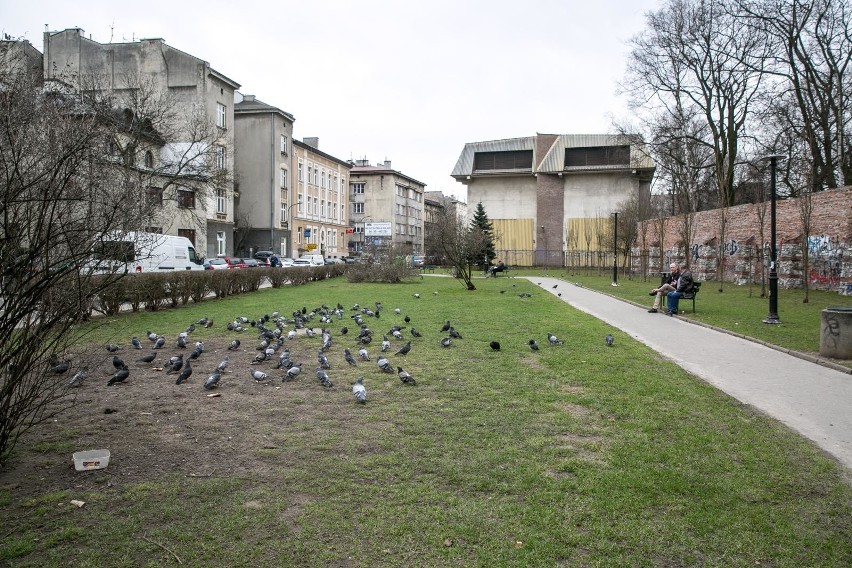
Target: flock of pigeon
[{"x": 274, "y": 332}]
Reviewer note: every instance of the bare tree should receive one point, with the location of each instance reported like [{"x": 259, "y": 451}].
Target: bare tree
[
  {"x": 806, "y": 210},
  {"x": 460, "y": 243}
]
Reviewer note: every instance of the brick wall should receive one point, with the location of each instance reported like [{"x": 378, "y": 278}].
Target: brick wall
[{"x": 742, "y": 253}]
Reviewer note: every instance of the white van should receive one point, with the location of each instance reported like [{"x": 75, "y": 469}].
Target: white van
[
  {"x": 135, "y": 252},
  {"x": 314, "y": 259}
]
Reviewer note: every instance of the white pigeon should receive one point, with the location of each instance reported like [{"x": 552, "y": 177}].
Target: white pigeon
[
  {"x": 258, "y": 375},
  {"x": 553, "y": 339},
  {"x": 363, "y": 354}
]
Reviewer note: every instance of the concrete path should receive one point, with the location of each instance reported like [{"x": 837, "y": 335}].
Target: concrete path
[{"x": 813, "y": 400}]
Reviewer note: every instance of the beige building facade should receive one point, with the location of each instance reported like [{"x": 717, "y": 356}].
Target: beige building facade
[
  {"x": 320, "y": 216},
  {"x": 549, "y": 194}
]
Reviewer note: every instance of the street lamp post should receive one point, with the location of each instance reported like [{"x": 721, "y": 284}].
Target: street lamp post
[
  {"x": 773, "y": 252},
  {"x": 615, "y": 250}
]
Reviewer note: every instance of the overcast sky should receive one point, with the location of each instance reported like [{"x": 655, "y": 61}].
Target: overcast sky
[{"x": 409, "y": 82}]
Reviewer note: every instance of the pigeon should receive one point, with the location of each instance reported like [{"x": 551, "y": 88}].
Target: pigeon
[
  {"x": 79, "y": 377},
  {"x": 344, "y": 330},
  {"x": 446, "y": 341},
  {"x": 495, "y": 345},
  {"x": 291, "y": 334},
  {"x": 454, "y": 334},
  {"x": 134, "y": 341},
  {"x": 407, "y": 319},
  {"x": 260, "y": 357},
  {"x": 181, "y": 341},
  {"x": 175, "y": 366},
  {"x": 119, "y": 376},
  {"x": 152, "y": 337},
  {"x": 609, "y": 340},
  {"x": 404, "y": 349},
  {"x": 397, "y": 311},
  {"x": 446, "y": 327},
  {"x": 235, "y": 344},
  {"x": 384, "y": 365},
  {"x": 385, "y": 343},
  {"x": 148, "y": 358},
  {"x": 258, "y": 375},
  {"x": 417, "y": 296},
  {"x": 159, "y": 342},
  {"x": 199, "y": 346},
  {"x": 324, "y": 379},
  {"x": 194, "y": 355},
  {"x": 553, "y": 339},
  {"x": 405, "y": 377},
  {"x": 212, "y": 381},
  {"x": 223, "y": 365},
  {"x": 359, "y": 391},
  {"x": 533, "y": 344},
  {"x": 347, "y": 355},
  {"x": 208, "y": 324},
  {"x": 415, "y": 333},
  {"x": 292, "y": 372},
  {"x": 60, "y": 367},
  {"x": 363, "y": 354},
  {"x": 185, "y": 374},
  {"x": 283, "y": 360},
  {"x": 323, "y": 361},
  {"x": 554, "y": 286},
  {"x": 117, "y": 362},
  {"x": 396, "y": 334},
  {"x": 112, "y": 347},
  {"x": 191, "y": 328}
]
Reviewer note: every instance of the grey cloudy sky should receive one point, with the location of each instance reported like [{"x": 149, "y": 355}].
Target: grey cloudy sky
[{"x": 377, "y": 79}]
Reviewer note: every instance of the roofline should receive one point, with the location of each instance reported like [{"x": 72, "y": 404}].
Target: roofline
[
  {"x": 269, "y": 109},
  {"x": 310, "y": 148},
  {"x": 371, "y": 170}
]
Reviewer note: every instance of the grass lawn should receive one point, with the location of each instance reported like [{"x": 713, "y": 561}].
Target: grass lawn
[{"x": 573, "y": 455}]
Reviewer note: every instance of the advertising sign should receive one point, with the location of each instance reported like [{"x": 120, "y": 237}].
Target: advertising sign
[{"x": 378, "y": 229}]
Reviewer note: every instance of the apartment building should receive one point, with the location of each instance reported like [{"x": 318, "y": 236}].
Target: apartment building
[
  {"x": 263, "y": 137},
  {"x": 194, "y": 116},
  {"x": 386, "y": 207},
  {"x": 320, "y": 216}
]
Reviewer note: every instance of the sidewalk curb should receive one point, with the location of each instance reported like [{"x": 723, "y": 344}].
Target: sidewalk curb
[{"x": 798, "y": 354}]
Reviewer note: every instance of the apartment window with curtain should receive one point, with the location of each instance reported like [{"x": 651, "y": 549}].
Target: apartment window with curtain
[
  {"x": 283, "y": 144},
  {"x": 220, "y": 243},
  {"x": 221, "y": 114},
  {"x": 301, "y": 173},
  {"x": 358, "y": 188},
  {"x": 186, "y": 198},
  {"x": 220, "y": 201}
]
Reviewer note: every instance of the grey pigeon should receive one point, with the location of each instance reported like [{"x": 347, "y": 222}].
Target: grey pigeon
[
  {"x": 384, "y": 365},
  {"x": 454, "y": 334},
  {"x": 404, "y": 349},
  {"x": 185, "y": 374},
  {"x": 235, "y": 344},
  {"x": 159, "y": 342},
  {"x": 385, "y": 343},
  {"x": 553, "y": 339},
  {"x": 609, "y": 340},
  {"x": 60, "y": 367},
  {"x": 134, "y": 341},
  {"x": 446, "y": 341},
  {"x": 79, "y": 377},
  {"x": 347, "y": 355},
  {"x": 533, "y": 344},
  {"x": 181, "y": 341},
  {"x": 363, "y": 354},
  {"x": 117, "y": 362},
  {"x": 212, "y": 381},
  {"x": 148, "y": 358},
  {"x": 223, "y": 365},
  {"x": 323, "y": 361},
  {"x": 194, "y": 355},
  {"x": 415, "y": 333},
  {"x": 152, "y": 337},
  {"x": 405, "y": 377},
  {"x": 446, "y": 327},
  {"x": 324, "y": 379},
  {"x": 119, "y": 376},
  {"x": 112, "y": 347},
  {"x": 260, "y": 357},
  {"x": 359, "y": 391},
  {"x": 292, "y": 372},
  {"x": 258, "y": 375},
  {"x": 175, "y": 366}
]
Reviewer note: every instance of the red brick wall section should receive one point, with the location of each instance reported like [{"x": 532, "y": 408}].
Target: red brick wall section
[
  {"x": 743, "y": 252},
  {"x": 550, "y": 206}
]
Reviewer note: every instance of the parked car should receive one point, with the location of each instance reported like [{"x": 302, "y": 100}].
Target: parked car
[
  {"x": 216, "y": 264},
  {"x": 333, "y": 261},
  {"x": 418, "y": 260},
  {"x": 252, "y": 263},
  {"x": 313, "y": 259},
  {"x": 301, "y": 262},
  {"x": 263, "y": 256},
  {"x": 235, "y": 262},
  {"x": 285, "y": 262}
]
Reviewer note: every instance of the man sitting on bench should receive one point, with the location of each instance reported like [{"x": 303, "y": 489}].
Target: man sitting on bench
[{"x": 500, "y": 267}]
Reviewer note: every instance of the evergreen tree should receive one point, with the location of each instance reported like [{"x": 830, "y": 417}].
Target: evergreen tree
[{"x": 481, "y": 224}]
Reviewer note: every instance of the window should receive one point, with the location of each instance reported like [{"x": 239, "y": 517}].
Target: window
[
  {"x": 322, "y": 180},
  {"x": 283, "y": 210},
  {"x": 186, "y": 198},
  {"x": 299, "y": 231},
  {"x": 358, "y": 188},
  {"x": 220, "y": 115},
  {"x": 149, "y": 160},
  {"x": 301, "y": 200},
  {"x": 597, "y": 156},
  {"x": 301, "y": 173},
  {"x": 316, "y": 176},
  {"x": 283, "y": 144},
  {"x": 342, "y": 212},
  {"x": 283, "y": 176},
  {"x": 310, "y": 204},
  {"x": 188, "y": 233},
  {"x": 511, "y": 160},
  {"x": 335, "y": 186},
  {"x": 220, "y": 243},
  {"x": 322, "y": 208},
  {"x": 220, "y": 158},
  {"x": 220, "y": 201},
  {"x": 357, "y": 207},
  {"x": 155, "y": 196}
]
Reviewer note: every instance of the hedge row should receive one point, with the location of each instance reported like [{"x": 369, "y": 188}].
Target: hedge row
[{"x": 156, "y": 291}]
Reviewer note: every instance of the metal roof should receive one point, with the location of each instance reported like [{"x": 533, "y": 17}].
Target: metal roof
[{"x": 464, "y": 167}]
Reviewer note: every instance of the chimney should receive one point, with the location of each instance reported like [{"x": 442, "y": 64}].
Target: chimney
[
  {"x": 313, "y": 142},
  {"x": 362, "y": 163},
  {"x": 248, "y": 98},
  {"x": 387, "y": 164}
]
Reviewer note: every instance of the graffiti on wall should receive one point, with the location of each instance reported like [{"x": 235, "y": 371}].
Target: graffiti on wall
[
  {"x": 731, "y": 247},
  {"x": 825, "y": 247}
]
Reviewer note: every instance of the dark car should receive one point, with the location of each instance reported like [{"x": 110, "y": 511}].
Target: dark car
[
  {"x": 252, "y": 263},
  {"x": 235, "y": 262}
]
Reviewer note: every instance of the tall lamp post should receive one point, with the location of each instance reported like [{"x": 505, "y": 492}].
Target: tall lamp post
[
  {"x": 615, "y": 249},
  {"x": 773, "y": 252}
]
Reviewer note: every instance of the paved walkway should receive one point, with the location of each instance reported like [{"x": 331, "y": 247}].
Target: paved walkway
[{"x": 813, "y": 400}]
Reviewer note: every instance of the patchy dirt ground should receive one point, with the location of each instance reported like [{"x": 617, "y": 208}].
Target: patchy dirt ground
[{"x": 153, "y": 426}]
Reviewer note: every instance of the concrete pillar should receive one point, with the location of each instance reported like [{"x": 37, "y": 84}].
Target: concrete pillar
[{"x": 836, "y": 336}]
